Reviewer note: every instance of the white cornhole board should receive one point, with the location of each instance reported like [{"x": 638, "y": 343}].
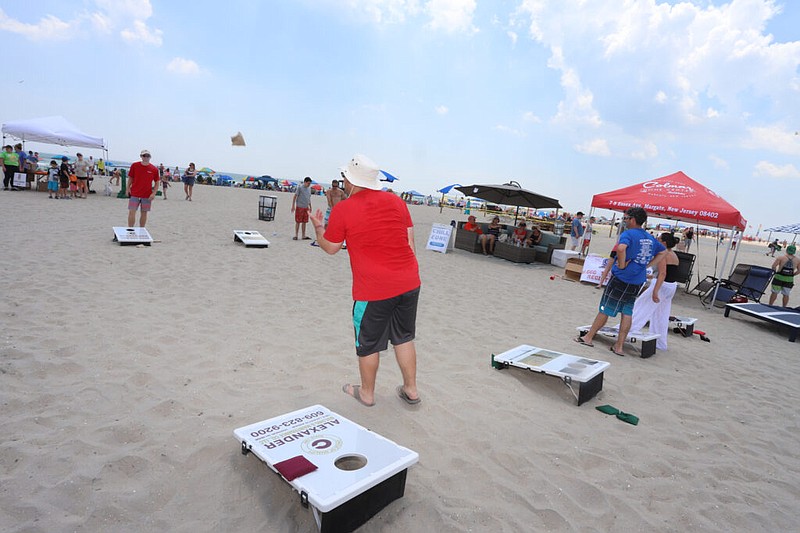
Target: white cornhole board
[
  {"x": 684, "y": 324},
  {"x": 588, "y": 373},
  {"x": 342, "y": 497},
  {"x": 646, "y": 339},
  {"x": 250, "y": 238},
  {"x": 127, "y": 236}
]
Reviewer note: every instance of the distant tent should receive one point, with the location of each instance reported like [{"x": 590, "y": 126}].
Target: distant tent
[
  {"x": 51, "y": 130},
  {"x": 389, "y": 177}
]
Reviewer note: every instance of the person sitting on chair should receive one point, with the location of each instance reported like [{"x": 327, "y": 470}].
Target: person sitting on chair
[
  {"x": 490, "y": 238},
  {"x": 472, "y": 226},
  {"x": 535, "y": 237},
  {"x": 520, "y": 234}
]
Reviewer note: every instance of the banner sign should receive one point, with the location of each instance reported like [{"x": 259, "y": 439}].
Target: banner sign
[
  {"x": 439, "y": 239},
  {"x": 593, "y": 267}
]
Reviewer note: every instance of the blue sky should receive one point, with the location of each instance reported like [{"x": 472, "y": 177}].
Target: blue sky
[{"x": 568, "y": 98}]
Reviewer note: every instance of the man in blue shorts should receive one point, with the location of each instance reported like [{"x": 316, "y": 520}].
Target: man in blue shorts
[
  {"x": 635, "y": 251},
  {"x": 142, "y": 185},
  {"x": 380, "y": 240}
]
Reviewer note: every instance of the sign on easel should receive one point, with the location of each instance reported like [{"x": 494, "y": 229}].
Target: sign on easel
[
  {"x": 439, "y": 239},
  {"x": 128, "y": 236},
  {"x": 250, "y": 238}
]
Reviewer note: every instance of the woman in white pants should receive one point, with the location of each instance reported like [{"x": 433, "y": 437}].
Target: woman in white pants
[{"x": 655, "y": 303}]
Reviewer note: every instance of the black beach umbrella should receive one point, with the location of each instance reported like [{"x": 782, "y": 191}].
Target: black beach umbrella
[{"x": 510, "y": 194}]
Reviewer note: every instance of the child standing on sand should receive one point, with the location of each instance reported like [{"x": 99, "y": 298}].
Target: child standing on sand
[{"x": 52, "y": 179}]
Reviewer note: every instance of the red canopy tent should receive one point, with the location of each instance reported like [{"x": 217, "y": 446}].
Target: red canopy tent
[{"x": 676, "y": 197}]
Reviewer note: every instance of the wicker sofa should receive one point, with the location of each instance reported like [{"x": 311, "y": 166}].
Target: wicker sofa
[
  {"x": 549, "y": 242},
  {"x": 543, "y": 252},
  {"x": 470, "y": 241}
]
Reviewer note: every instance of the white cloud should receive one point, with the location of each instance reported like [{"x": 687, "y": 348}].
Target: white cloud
[
  {"x": 594, "y": 147},
  {"x": 451, "y": 15},
  {"x": 140, "y": 33},
  {"x": 647, "y": 150},
  {"x": 773, "y": 138},
  {"x": 441, "y": 110},
  {"x": 109, "y": 15},
  {"x": 765, "y": 169},
  {"x": 48, "y": 28},
  {"x": 180, "y": 65},
  {"x": 513, "y": 36},
  {"x": 512, "y": 131},
  {"x": 718, "y": 162},
  {"x": 529, "y": 116},
  {"x": 615, "y": 55}
]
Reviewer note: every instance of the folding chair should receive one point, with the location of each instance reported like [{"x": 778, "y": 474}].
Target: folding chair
[{"x": 750, "y": 281}]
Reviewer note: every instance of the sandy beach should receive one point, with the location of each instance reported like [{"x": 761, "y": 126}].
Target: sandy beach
[{"x": 125, "y": 370}]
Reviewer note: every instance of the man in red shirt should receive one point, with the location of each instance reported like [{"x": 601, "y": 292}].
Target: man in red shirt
[
  {"x": 380, "y": 240},
  {"x": 143, "y": 180},
  {"x": 470, "y": 225}
]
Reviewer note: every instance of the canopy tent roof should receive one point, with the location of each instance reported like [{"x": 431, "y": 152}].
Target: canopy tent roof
[
  {"x": 788, "y": 228},
  {"x": 51, "y": 130},
  {"x": 509, "y": 194},
  {"x": 676, "y": 197}
]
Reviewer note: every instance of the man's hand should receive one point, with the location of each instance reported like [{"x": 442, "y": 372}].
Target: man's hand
[{"x": 316, "y": 218}]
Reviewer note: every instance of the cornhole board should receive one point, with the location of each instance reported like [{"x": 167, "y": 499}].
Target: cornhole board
[
  {"x": 684, "y": 325},
  {"x": 785, "y": 316},
  {"x": 250, "y": 238},
  {"x": 646, "y": 340},
  {"x": 358, "y": 471},
  {"x": 127, "y": 236},
  {"x": 587, "y": 373}
]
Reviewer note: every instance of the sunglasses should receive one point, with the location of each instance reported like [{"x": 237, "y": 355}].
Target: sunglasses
[{"x": 146, "y": 155}]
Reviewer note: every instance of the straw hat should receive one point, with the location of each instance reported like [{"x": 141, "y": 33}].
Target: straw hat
[{"x": 361, "y": 171}]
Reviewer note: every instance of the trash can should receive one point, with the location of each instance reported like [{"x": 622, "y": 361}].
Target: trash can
[
  {"x": 266, "y": 207},
  {"x": 558, "y": 227}
]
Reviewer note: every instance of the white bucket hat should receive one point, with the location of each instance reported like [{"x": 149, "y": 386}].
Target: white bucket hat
[{"x": 361, "y": 171}]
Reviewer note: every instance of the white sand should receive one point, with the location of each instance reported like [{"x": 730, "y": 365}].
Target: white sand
[{"x": 124, "y": 371}]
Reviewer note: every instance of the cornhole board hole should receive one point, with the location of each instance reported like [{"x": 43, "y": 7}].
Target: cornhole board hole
[
  {"x": 683, "y": 324},
  {"x": 127, "y": 236},
  {"x": 647, "y": 341},
  {"x": 587, "y": 373},
  {"x": 357, "y": 473},
  {"x": 250, "y": 238}
]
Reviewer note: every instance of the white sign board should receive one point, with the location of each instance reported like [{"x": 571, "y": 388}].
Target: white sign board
[
  {"x": 439, "y": 239},
  {"x": 20, "y": 179},
  {"x": 593, "y": 267}
]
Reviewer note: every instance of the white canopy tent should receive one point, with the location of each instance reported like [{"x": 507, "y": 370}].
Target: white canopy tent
[{"x": 51, "y": 130}]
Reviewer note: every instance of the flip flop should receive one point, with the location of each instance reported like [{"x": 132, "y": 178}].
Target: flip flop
[
  {"x": 611, "y": 348},
  {"x": 580, "y": 340},
  {"x": 405, "y": 398},
  {"x": 356, "y": 394},
  {"x": 306, "y": 238},
  {"x": 294, "y": 238}
]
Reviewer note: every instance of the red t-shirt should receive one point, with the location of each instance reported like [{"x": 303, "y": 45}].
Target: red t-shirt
[
  {"x": 142, "y": 178},
  {"x": 469, "y": 226},
  {"x": 375, "y": 225},
  {"x": 520, "y": 233}
]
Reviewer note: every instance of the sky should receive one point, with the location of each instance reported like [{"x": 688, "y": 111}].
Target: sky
[{"x": 568, "y": 98}]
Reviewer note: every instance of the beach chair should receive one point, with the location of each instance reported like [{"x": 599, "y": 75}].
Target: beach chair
[
  {"x": 685, "y": 267},
  {"x": 750, "y": 281}
]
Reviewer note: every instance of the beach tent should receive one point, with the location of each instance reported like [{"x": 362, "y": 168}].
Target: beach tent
[
  {"x": 51, "y": 130},
  {"x": 677, "y": 197}
]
